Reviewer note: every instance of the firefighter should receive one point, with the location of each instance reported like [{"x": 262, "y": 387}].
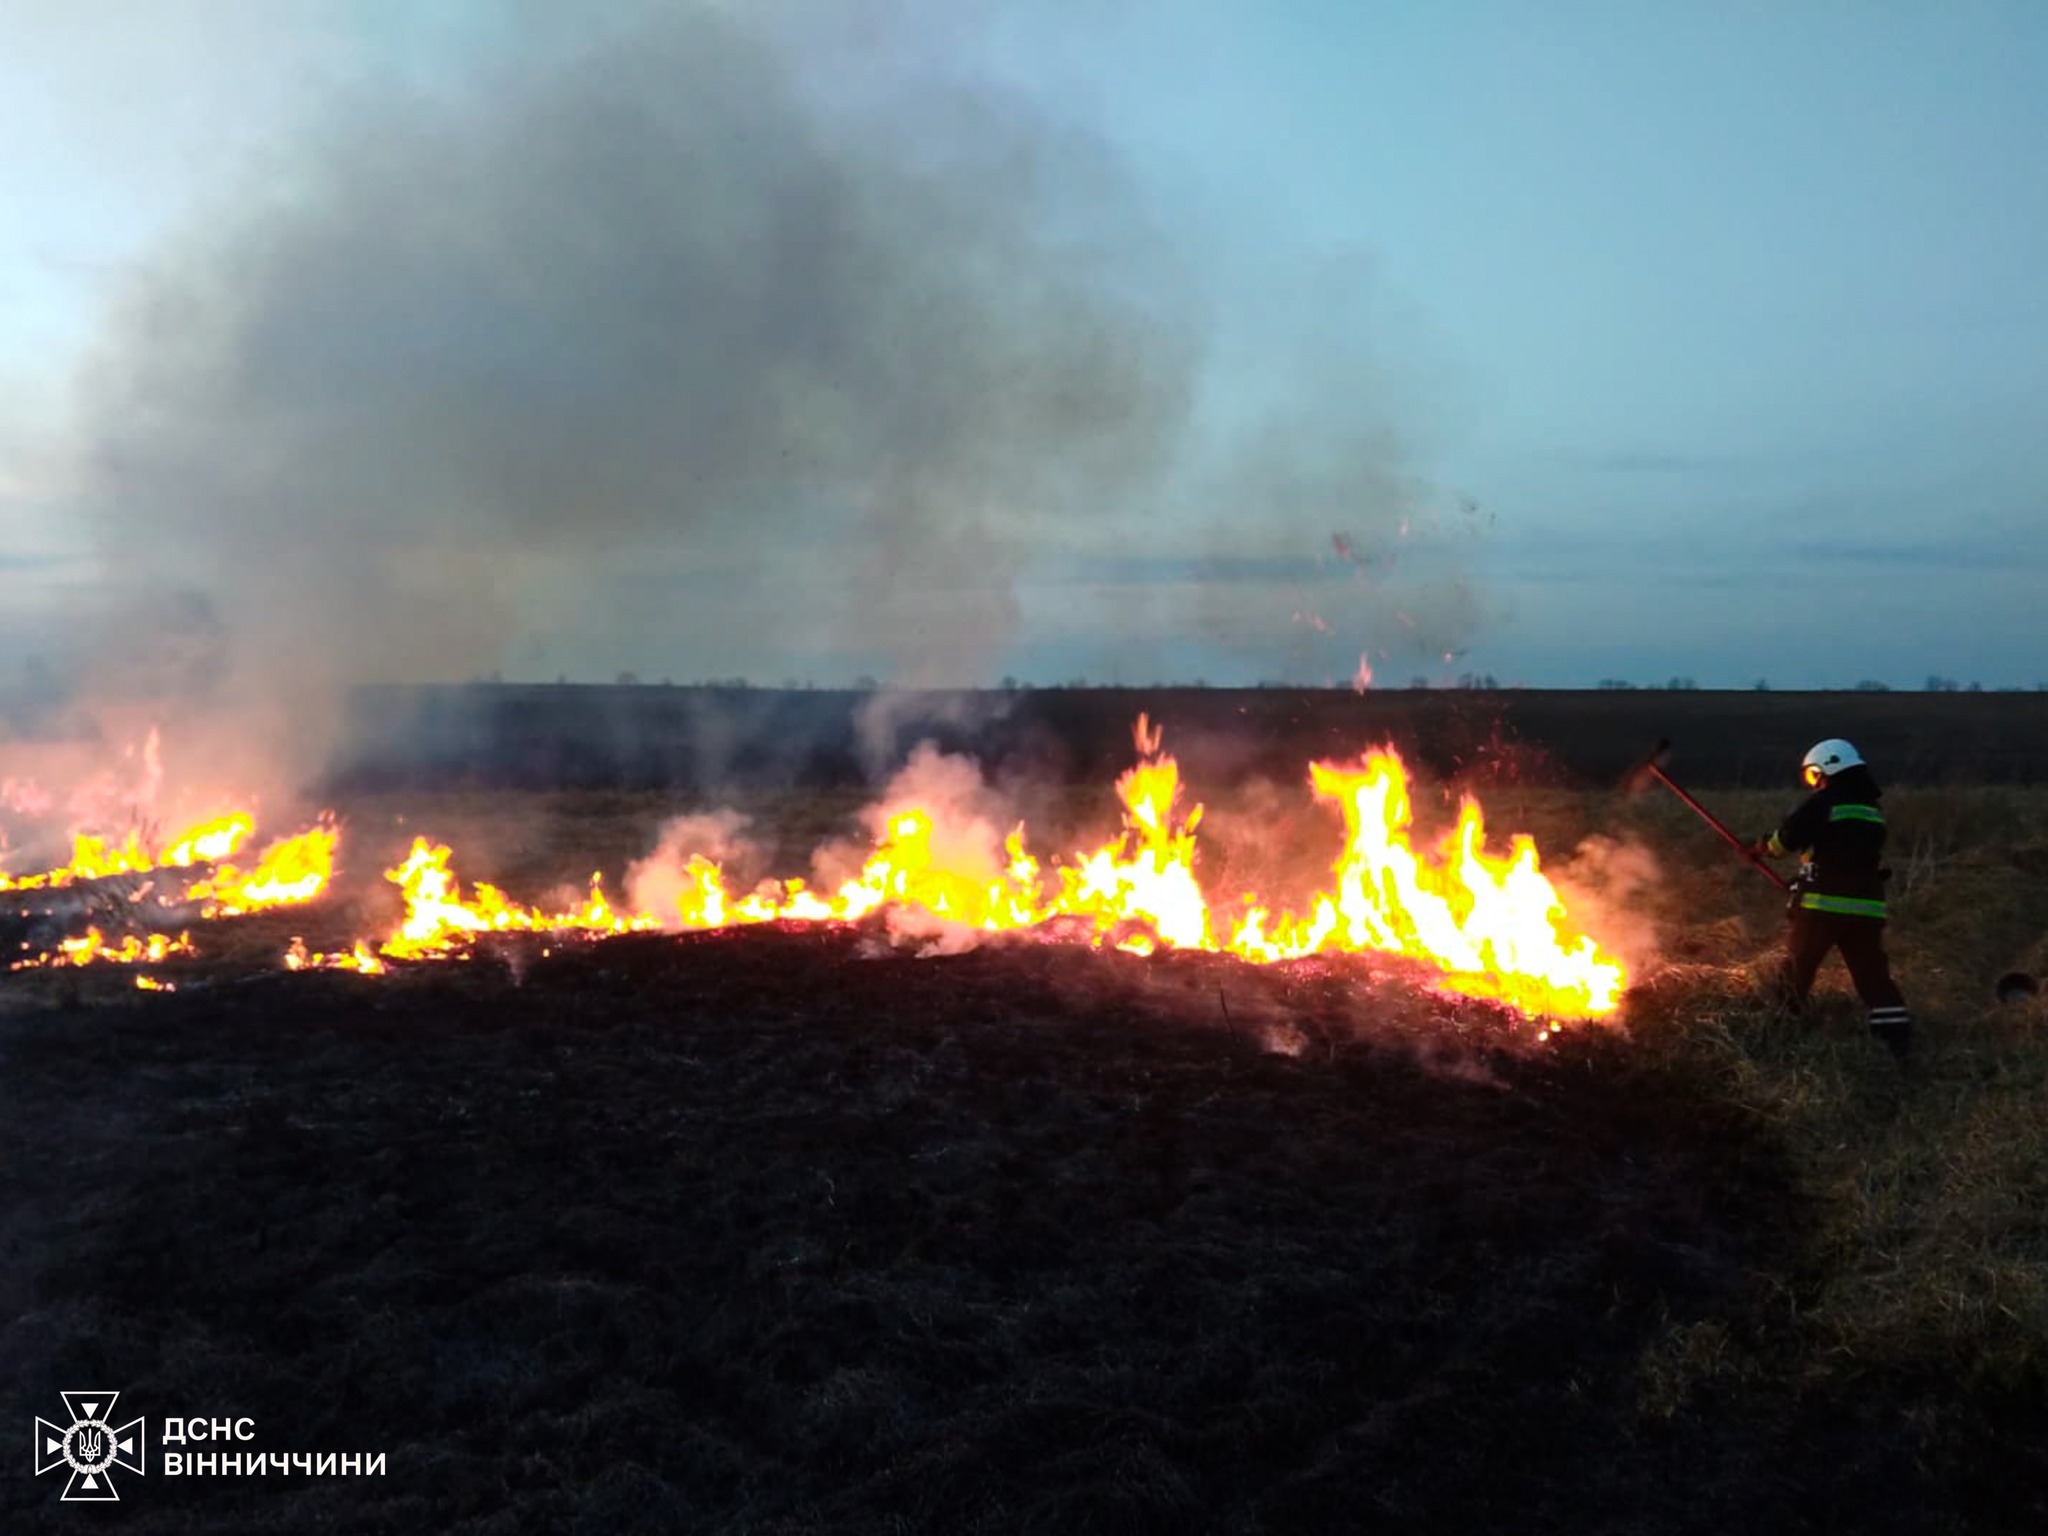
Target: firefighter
[{"x": 1838, "y": 900}]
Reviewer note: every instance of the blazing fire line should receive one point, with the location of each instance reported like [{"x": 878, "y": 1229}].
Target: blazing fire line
[
  {"x": 100, "y": 858},
  {"x": 290, "y": 871},
  {"x": 293, "y": 869},
  {"x": 1492, "y": 924}
]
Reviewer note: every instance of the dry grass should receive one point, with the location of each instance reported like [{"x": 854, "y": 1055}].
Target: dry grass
[{"x": 1927, "y": 1260}]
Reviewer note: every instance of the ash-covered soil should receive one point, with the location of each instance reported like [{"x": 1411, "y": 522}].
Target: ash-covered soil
[{"x": 773, "y": 1231}]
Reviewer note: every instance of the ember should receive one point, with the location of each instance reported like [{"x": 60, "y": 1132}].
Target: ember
[{"x": 93, "y": 948}]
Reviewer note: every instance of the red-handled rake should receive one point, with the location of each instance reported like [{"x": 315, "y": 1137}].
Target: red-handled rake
[{"x": 1653, "y": 768}]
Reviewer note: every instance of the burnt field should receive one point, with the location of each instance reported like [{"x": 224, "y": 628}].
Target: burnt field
[
  {"x": 785, "y": 1230},
  {"x": 749, "y": 1232},
  {"x": 757, "y": 1232}
]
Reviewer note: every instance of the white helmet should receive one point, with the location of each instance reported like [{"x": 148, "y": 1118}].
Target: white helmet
[{"x": 1825, "y": 758}]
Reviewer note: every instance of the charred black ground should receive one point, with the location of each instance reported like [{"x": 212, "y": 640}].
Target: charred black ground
[{"x": 773, "y": 1232}]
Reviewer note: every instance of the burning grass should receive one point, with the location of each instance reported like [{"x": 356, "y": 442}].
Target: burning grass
[
  {"x": 782, "y": 1229},
  {"x": 940, "y": 868}
]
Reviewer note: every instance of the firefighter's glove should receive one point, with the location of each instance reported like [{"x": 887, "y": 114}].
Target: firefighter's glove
[{"x": 1759, "y": 848}]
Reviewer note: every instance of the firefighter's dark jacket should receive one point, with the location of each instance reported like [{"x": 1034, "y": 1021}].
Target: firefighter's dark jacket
[{"x": 1840, "y": 830}]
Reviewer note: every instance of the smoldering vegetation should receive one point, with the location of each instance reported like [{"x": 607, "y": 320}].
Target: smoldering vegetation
[{"x": 740, "y": 332}]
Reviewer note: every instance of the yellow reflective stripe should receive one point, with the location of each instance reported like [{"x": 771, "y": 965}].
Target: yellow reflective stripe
[
  {"x": 1856, "y": 813},
  {"x": 1777, "y": 849},
  {"x": 1847, "y": 906}
]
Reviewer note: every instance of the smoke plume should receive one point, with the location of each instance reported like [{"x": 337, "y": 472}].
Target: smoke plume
[
  {"x": 775, "y": 340},
  {"x": 472, "y": 357}
]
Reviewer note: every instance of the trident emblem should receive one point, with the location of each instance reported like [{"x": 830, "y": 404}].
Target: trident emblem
[{"x": 90, "y": 1446}]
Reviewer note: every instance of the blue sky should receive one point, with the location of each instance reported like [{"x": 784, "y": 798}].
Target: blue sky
[{"x": 1729, "y": 319}]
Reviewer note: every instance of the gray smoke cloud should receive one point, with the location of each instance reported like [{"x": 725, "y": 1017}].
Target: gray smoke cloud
[{"x": 769, "y": 337}]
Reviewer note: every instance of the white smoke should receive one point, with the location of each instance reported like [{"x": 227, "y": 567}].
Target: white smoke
[
  {"x": 969, "y": 819},
  {"x": 1607, "y": 887},
  {"x": 655, "y": 884},
  {"x": 928, "y": 935}
]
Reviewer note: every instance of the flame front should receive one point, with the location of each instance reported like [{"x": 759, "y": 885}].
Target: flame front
[
  {"x": 99, "y": 858},
  {"x": 438, "y": 919},
  {"x": 92, "y": 948},
  {"x": 1140, "y": 890},
  {"x": 1494, "y": 925},
  {"x": 291, "y": 870}
]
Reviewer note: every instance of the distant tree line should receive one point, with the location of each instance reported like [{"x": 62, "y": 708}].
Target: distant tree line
[{"x": 38, "y": 683}]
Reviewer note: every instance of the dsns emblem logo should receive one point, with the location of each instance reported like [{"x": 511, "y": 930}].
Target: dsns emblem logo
[{"x": 89, "y": 1445}]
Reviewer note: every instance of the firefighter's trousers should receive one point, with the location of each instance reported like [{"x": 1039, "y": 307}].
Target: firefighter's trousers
[{"x": 1811, "y": 935}]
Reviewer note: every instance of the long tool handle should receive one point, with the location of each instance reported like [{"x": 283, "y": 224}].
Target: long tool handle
[{"x": 1715, "y": 822}]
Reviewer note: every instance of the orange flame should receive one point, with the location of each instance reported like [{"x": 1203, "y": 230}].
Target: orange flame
[
  {"x": 97, "y": 858},
  {"x": 92, "y": 948},
  {"x": 291, "y": 870},
  {"x": 358, "y": 958},
  {"x": 438, "y": 920},
  {"x": 210, "y": 841},
  {"x": 1494, "y": 925},
  {"x": 1143, "y": 885}
]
